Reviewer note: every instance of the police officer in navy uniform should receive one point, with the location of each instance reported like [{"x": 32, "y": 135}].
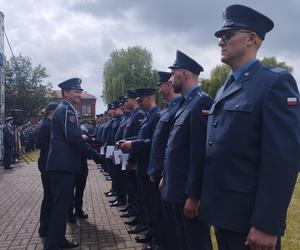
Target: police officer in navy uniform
[
  {"x": 140, "y": 149},
  {"x": 8, "y": 143},
  {"x": 66, "y": 149},
  {"x": 164, "y": 223},
  {"x": 131, "y": 130},
  {"x": 185, "y": 152},
  {"x": 120, "y": 174},
  {"x": 253, "y": 140},
  {"x": 42, "y": 142},
  {"x": 80, "y": 184}
]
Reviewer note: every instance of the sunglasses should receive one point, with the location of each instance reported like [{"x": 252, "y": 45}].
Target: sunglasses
[{"x": 227, "y": 35}]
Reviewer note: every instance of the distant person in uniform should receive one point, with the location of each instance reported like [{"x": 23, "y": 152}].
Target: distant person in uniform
[
  {"x": 8, "y": 143},
  {"x": 43, "y": 141},
  {"x": 184, "y": 157},
  {"x": 253, "y": 140},
  {"x": 164, "y": 228},
  {"x": 67, "y": 146}
]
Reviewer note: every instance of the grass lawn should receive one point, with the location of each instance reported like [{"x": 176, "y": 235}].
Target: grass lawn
[{"x": 291, "y": 240}]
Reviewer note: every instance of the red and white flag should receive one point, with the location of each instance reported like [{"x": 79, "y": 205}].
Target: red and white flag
[
  {"x": 292, "y": 101},
  {"x": 205, "y": 112}
]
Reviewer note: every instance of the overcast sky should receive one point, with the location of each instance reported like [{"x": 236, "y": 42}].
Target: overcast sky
[{"x": 73, "y": 38}]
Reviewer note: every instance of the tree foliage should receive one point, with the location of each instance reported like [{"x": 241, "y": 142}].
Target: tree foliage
[
  {"x": 127, "y": 69},
  {"x": 218, "y": 76},
  {"x": 24, "y": 88},
  {"x": 220, "y": 73}
]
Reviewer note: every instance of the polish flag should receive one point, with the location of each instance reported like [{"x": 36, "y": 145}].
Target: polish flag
[
  {"x": 292, "y": 101},
  {"x": 205, "y": 112}
]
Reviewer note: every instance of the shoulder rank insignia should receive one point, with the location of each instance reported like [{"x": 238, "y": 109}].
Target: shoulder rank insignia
[{"x": 278, "y": 70}]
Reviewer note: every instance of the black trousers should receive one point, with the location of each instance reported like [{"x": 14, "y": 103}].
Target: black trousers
[
  {"x": 121, "y": 192},
  {"x": 193, "y": 234},
  {"x": 7, "y": 156},
  {"x": 143, "y": 205},
  {"x": 80, "y": 183},
  {"x": 46, "y": 203},
  {"x": 62, "y": 188},
  {"x": 159, "y": 234},
  {"x": 229, "y": 240},
  {"x": 169, "y": 225},
  {"x": 133, "y": 190}
]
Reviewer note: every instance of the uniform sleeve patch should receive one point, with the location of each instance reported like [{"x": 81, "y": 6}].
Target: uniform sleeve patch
[
  {"x": 72, "y": 118},
  {"x": 292, "y": 101},
  {"x": 205, "y": 112}
]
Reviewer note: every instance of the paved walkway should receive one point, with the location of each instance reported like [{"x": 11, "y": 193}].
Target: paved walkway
[{"x": 20, "y": 200}]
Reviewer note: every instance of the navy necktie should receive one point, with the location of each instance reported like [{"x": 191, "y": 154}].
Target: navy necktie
[{"x": 229, "y": 81}]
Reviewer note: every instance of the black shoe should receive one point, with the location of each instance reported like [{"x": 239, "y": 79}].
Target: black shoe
[
  {"x": 69, "y": 244},
  {"x": 127, "y": 214},
  {"x": 106, "y": 193},
  {"x": 71, "y": 219},
  {"x": 108, "y": 179},
  {"x": 143, "y": 238},
  {"x": 118, "y": 204},
  {"x": 81, "y": 215},
  {"x": 131, "y": 222},
  {"x": 113, "y": 201},
  {"x": 8, "y": 167},
  {"x": 111, "y": 194},
  {"x": 123, "y": 210},
  {"x": 137, "y": 229}
]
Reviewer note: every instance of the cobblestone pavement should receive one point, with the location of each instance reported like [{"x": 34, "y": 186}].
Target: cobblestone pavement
[{"x": 20, "y": 200}]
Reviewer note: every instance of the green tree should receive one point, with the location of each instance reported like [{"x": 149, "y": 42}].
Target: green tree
[
  {"x": 220, "y": 73},
  {"x": 24, "y": 86},
  {"x": 218, "y": 76},
  {"x": 273, "y": 62},
  {"x": 127, "y": 69}
]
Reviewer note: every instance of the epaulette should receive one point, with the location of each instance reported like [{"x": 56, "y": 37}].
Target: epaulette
[
  {"x": 277, "y": 70},
  {"x": 200, "y": 93}
]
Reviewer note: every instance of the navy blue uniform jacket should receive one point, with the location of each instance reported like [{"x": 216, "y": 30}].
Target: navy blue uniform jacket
[
  {"x": 185, "y": 152},
  {"x": 66, "y": 143},
  {"x": 142, "y": 145},
  {"x": 42, "y": 142},
  {"x": 253, "y": 146},
  {"x": 8, "y": 136},
  {"x": 160, "y": 138}
]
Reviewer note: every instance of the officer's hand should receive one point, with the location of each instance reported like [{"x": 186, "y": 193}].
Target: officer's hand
[
  {"x": 126, "y": 146},
  {"x": 261, "y": 240},
  {"x": 130, "y": 167},
  {"x": 191, "y": 207},
  {"x": 118, "y": 143},
  {"x": 85, "y": 137},
  {"x": 152, "y": 178},
  {"x": 161, "y": 185}
]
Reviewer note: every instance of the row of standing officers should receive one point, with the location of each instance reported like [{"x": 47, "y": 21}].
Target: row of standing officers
[{"x": 231, "y": 163}]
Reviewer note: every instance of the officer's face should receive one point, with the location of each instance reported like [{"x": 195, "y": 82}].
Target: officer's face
[
  {"x": 165, "y": 89},
  {"x": 233, "y": 45},
  {"x": 177, "y": 79},
  {"x": 128, "y": 103},
  {"x": 73, "y": 96}
]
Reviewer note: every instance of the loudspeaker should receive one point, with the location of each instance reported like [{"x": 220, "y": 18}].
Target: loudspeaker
[{"x": 18, "y": 116}]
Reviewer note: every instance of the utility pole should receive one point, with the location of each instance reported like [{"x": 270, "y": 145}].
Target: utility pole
[{"x": 2, "y": 83}]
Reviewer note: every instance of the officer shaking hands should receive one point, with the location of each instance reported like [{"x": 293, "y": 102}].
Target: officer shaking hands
[
  {"x": 66, "y": 149},
  {"x": 253, "y": 140}
]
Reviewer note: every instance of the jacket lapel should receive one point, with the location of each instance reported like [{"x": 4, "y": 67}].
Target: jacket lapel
[
  {"x": 237, "y": 85},
  {"x": 186, "y": 102}
]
